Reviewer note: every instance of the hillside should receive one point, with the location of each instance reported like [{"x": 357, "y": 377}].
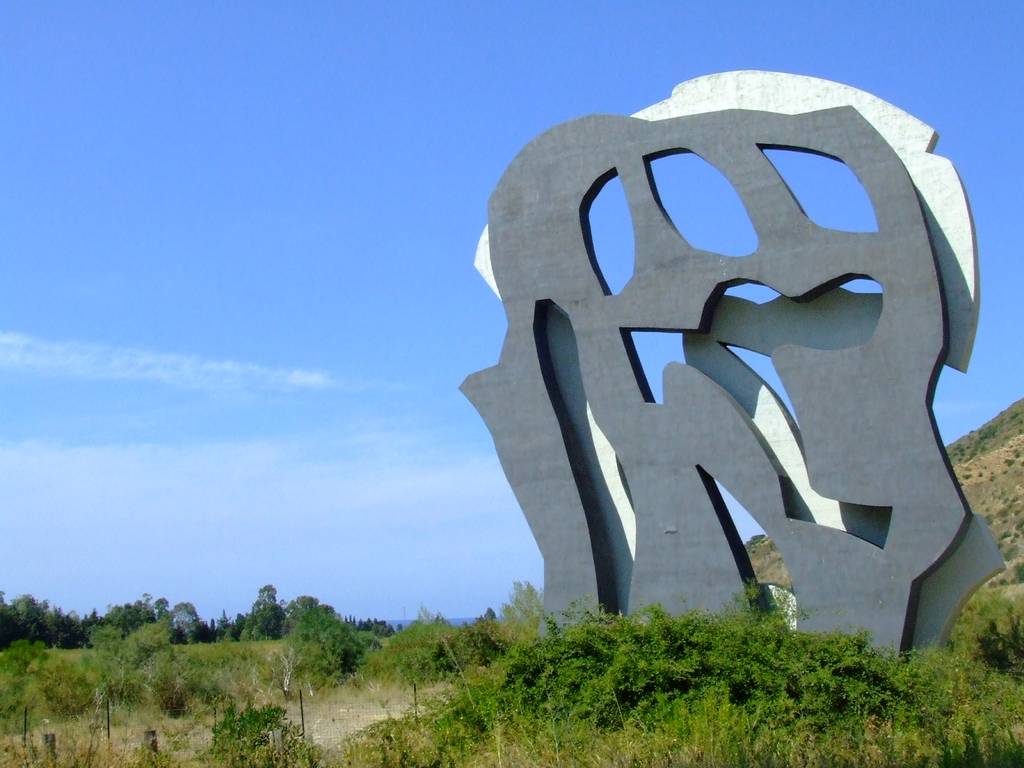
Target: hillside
[{"x": 989, "y": 462}]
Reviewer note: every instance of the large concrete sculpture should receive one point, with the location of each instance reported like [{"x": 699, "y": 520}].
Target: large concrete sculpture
[{"x": 621, "y": 492}]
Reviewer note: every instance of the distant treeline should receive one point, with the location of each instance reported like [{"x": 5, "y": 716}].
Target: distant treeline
[{"x": 26, "y": 618}]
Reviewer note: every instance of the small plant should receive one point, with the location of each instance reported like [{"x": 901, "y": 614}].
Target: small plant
[{"x": 260, "y": 737}]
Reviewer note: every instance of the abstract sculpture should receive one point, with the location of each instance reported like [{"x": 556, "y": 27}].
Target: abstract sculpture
[{"x": 854, "y": 487}]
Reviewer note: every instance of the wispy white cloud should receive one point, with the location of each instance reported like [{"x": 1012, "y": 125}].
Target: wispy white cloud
[
  {"x": 102, "y": 362},
  {"x": 376, "y": 531}
]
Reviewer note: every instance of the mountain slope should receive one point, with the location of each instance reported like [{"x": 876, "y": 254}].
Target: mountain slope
[{"x": 989, "y": 462}]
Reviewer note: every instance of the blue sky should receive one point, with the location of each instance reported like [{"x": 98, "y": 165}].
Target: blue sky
[{"x": 236, "y": 283}]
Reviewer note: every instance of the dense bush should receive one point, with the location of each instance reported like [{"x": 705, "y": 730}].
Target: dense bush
[
  {"x": 742, "y": 689},
  {"x": 246, "y": 739},
  {"x": 327, "y": 649},
  {"x": 608, "y": 670},
  {"x": 146, "y": 667},
  {"x": 431, "y": 649},
  {"x": 991, "y": 629},
  {"x": 17, "y": 663},
  {"x": 66, "y": 689},
  {"x": 523, "y": 614}
]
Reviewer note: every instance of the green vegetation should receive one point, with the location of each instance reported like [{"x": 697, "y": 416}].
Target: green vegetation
[
  {"x": 26, "y": 618},
  {"x": 991, "y": 630},
  {"x": 431, "y": 650},
  {"x": 737, "y": 690},
  {"x": 146, "y": 670},
  {"x": 650, "y": 690},
  {"x": 260, "y": 738}
]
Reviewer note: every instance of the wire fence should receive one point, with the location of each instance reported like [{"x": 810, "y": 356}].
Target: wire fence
[{"x": 325, "y": 718}]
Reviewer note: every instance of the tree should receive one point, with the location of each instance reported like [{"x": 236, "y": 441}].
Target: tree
[
  {"x": 30, "y": 616},
  {"x": 26, "y": 618},
  {"x": 267, "y": 617},
  {"x": 161, "y": 608},
  {"x": 326, "y": 647},
  {"x": 184, "y": 622},
  {"x": 236, "y": 628},
  {"x": 10, "y": 625},
  {"x": 131, "y": 616},
  {"x": 377, "y": 627},
  {"x": 225, "y": 627},
  {"x": 295, "y": 610},
  {"x": 524, "y": 611}
]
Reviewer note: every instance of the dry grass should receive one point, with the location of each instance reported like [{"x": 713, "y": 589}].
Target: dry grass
[
  {"x": 331, "y": 717},
  {"x": 335, "y": 714}
]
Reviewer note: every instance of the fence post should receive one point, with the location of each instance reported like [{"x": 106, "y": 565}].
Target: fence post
[
  {"x": 415, "y": 701},
  {"x": 149, "y": 741},
  {"x": 302, "y": 714},
  {"x": 107, "y": 699},
  {"x": 50, "y": 742},
  {"x": 24, "y": 730},
  {"x": 276, "y": 740}
]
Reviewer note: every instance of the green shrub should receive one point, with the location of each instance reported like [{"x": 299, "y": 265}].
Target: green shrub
[
  {"x": 66, "y": 689},
  {"x": 610, "y": 669},
  {"x": 991, "y": 629},
  {"x": 175, "y": 682},
  {"x": 16, "y": 663},
  {"x": 523, "y": 614},
  {"x": 123, "y": 663},
  {"x": 417, "y": 654},
  {"x": 431, "y": 650},
  {"x": 245, "y": 739},
  {"x": 741, "y": 689},
  {"x": 1001, "y": 644},
  {"x": 477, "y": 645},
  {"x": 325, "y": 648}
]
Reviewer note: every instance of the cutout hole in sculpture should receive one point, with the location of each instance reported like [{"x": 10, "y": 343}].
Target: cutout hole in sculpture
[
  {"x": 765, "y": 559},
  {"x": 755, "y": 292},
  {"x": 861, "y": 285},
  {"x": 703, "y": 206},
  {"x": 746, "y": 526},
  {"x": 762, "y": 367},
  {"x": 757, "y": 557},
  {"x": 825, "y": 188},
  {"x": 608, "y": 232},
  {"x": 653, "y": 351},
  {"x": 835, "y": 315}
]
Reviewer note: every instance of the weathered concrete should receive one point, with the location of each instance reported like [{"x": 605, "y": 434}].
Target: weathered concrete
[{"x": 854, "y": 487}]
